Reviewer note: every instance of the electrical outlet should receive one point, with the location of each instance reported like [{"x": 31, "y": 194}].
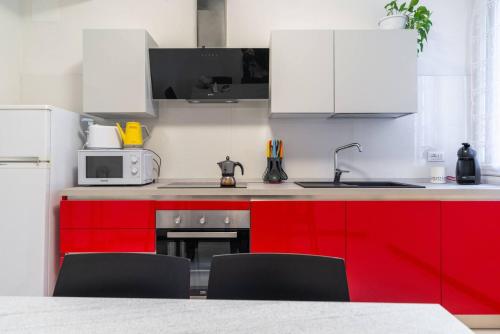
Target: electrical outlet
[{"x": 435, "y": 156}]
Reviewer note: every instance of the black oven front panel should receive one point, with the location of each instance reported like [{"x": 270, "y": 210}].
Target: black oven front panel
[{"x": 199, "y": 246}]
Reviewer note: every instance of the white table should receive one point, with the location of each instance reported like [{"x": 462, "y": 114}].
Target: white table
[{"x": 99, "y": 315}]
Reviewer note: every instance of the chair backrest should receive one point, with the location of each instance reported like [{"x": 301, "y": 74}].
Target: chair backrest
[
  {"x": 278, "y": 277},
  {"x": 123, "y": 275}
]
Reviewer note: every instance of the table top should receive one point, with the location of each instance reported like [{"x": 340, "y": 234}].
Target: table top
[{"x": 107, "y": 315}]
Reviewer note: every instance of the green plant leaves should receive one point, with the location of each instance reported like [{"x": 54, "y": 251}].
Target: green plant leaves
[
  {"x": 391, "y": 7},
  {"x": 419, "y": 18},
  {"x": 412, "y": 5}
]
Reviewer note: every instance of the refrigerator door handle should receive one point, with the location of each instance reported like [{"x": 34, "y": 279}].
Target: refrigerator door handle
[{"x": 21, "y": 160}]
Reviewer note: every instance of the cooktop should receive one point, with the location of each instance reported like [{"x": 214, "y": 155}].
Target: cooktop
[{"x": 178, "y": 185}]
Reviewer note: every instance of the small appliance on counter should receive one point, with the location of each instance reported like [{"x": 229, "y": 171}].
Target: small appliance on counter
[
  {"x": 468, "y": 170},
  {"x": 227, "y": 167},
  {"x": 274, "y": 172},
  {"x": 116, "y": 167},
  {"x": 101, "y": 136},
  {"x": 132, "y": 136}
]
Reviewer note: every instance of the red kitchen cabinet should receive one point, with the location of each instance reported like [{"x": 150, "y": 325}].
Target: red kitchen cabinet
[
  {"x": 393, "y": 251},
  {"x": 304, "y": 227},
  {"x": 107, "y": 240},
  {"x": 107, "y": 214},
  {"x": 107, "y": 226},
  {"x": 471, "y": 257}
]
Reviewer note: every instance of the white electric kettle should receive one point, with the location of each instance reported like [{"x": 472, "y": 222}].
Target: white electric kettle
[{"x": 102, "y": 137}]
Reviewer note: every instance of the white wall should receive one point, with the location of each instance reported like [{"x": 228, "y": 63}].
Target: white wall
[
  {"x": 193, "y": 138},
  {"x": 10, "y": 48},
  {"x": 52, "y": 61}
]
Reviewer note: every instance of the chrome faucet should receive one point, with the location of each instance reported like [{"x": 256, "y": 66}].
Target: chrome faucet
[{"x": 338, "y": 172}]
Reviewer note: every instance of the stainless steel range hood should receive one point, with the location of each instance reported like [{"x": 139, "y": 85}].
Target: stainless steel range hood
[{"x": 211, "y": 23}]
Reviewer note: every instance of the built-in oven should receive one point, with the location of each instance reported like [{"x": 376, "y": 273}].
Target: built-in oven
[{"x": 198, "y": 235}]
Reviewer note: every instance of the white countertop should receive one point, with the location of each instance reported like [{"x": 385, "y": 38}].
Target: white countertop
[
  {"x": 149, "y": 316},
  {"x": 289, "y": 190}
]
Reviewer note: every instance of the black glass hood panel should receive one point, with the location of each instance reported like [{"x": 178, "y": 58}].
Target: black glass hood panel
[{"x": 210, "y": 74}]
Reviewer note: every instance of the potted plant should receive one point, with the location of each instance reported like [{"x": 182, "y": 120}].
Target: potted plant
[{"x": 408, "y": 15}]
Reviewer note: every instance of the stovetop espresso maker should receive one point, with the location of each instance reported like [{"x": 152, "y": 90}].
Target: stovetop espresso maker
[{"x": 227, "y": 167}]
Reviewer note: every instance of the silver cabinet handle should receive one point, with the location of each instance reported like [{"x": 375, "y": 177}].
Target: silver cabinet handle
[
  {"x": 21, "y": 159},
  {"x": 202, "y": 235}
]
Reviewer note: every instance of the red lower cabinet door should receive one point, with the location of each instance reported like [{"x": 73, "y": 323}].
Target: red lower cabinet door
[
  {"x": 471, "y": 257},
  {"x": 76, "y": 214},
  {"x": 393, "y": 251},
  {"x": 301, "y": 227},
  {"x": 108, "y": 240}
]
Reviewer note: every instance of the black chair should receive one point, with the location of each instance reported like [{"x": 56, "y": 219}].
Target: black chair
[
  {"x": 123, "y": 275},
  {"x": 278, "y": 277}
]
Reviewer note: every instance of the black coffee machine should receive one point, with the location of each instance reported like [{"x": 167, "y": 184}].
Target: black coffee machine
[{"x": 468, "y": 171}]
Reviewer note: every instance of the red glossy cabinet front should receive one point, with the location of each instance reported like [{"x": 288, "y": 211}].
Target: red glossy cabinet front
[
  {"x": 107, "y": 226},
  {"x": 305, "y": 227},
  {"x": 471, "y": 257},
  {"x": 107, "y": 214},
  {"x": 393, "y": 251},
  {"x": 107, "y": 240}
]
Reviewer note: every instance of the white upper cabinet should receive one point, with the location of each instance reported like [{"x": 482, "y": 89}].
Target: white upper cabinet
[
  {"x": 116, "y": 77},
  {"x": 302, "y": 73},
  {"x": 343, "y": 73},
  {"x": 375, "y": 73}
]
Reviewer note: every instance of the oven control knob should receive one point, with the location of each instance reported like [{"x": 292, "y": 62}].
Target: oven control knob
[
  {"x": 134, "y": 171},
  {"x": 134, "y": 159},
  {"x": 227, "y": 221},
  {"x": 177, "y": 220},
  {"x": 203, "y": 220}
]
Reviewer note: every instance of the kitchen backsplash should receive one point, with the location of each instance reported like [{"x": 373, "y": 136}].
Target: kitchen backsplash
[{"x": 191, "y": 139}]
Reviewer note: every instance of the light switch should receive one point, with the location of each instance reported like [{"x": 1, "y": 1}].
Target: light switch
[{"x": 435, "y": 156}]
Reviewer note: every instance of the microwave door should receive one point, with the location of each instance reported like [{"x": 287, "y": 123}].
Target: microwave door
[{"x": 103, "y": 167}]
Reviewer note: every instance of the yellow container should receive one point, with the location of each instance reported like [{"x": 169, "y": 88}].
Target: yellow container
[{"x": 132, "y": 136}]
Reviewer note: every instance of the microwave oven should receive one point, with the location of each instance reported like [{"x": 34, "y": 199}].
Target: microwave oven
[{"x": 115, "y": 167}]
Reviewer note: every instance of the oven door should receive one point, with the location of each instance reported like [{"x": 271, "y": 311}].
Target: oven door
[{"x": 199, "y": 246}]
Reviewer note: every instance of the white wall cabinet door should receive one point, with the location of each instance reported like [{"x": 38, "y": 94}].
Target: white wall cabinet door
[
  {"x": 116, "y": 74},
  {"x": 375, "y": 73},
  {"x": 302, "y": 73}
]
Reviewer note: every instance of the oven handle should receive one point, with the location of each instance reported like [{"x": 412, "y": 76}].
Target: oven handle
[{"x": 202, "y": 235}]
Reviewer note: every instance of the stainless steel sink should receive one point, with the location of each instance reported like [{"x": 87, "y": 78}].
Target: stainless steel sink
[{"x": 357, "y": 184}]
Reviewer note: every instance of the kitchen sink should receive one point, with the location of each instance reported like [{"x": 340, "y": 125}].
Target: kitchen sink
[{"x": 357, "y": 184}]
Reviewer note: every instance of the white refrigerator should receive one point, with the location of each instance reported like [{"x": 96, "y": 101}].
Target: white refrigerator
[{"x": 38, "y": 157}]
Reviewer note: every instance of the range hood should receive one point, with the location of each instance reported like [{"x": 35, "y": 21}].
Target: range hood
[{"x": 210, "y": 74}]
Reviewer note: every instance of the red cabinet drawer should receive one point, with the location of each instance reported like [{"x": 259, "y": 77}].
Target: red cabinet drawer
[
  {"x": 393, "y": 252},
  {"x": 107, "y": 214},
  {"x": 471, "y": 257},
  {"x": 110, "y": 240},
  {"x": 304, "y": 227}
]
